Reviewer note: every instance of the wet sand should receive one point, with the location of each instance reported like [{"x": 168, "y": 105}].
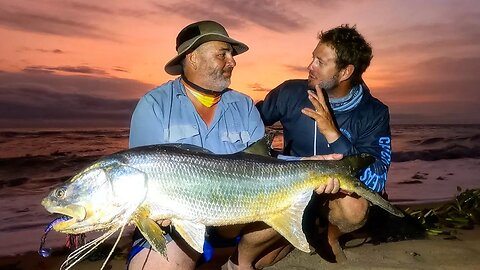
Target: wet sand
[{"x": 434, "y": 252}]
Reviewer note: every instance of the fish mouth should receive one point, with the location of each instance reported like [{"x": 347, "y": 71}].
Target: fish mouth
[{"x": 76, "y": 213}]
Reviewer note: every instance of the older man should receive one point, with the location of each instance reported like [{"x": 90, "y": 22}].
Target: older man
[{"x": 196, "y": 108}]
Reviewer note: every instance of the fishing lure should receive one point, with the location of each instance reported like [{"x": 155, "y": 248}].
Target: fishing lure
[{"x": 72, "y": 239}]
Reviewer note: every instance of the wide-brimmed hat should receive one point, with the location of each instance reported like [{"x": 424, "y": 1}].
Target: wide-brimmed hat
[{"x": 195, "y": 35}]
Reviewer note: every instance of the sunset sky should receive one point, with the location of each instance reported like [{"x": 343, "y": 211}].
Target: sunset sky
[{"x": 86, "y": 63}]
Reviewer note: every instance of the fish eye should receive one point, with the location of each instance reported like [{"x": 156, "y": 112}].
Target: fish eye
[{"x": 60, "y": 192}]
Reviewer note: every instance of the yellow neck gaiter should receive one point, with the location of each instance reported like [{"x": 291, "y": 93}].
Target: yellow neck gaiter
[{"x": 206, "y": 100}]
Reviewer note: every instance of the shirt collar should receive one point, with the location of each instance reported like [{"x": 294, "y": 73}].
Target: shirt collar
[{"x": 227, "y": 96}]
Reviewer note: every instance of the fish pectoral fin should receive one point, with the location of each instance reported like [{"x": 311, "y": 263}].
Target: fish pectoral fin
[
  {"x": 289, "y": 222},
  {"x": 153, "y": 233},
  {"x": 193, "y": 233}
]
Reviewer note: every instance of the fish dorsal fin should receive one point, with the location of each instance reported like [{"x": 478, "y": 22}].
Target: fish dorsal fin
[
  {"x": 289, "y": 222},
  {"x": 355, "y": 163},
  {"x": 262, "y": 146},
  {"x": 187, "y": 147},
  {"x": 193, "y": 233},
  {"x": 151, "y": 231}
]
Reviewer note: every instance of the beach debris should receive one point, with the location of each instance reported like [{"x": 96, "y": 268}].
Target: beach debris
[
  {"x": 420, "y": 175},
  {"x": 410, "y": 182},
  {"x": 461, "y": 213},
  {"x": 195, "y": 188},
  {"x": 413, "y": 253}
]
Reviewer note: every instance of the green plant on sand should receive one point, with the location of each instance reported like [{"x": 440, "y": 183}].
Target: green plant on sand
[{"x": 461, "y": 213}]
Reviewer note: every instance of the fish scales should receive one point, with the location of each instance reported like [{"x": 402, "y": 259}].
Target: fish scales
[
  {"x": 195, "y": 188},
  {"x": 237, "y": 189}
]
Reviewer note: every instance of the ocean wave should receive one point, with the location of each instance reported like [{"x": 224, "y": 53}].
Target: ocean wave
[
  {"x": 116, "y": 133},
  {"x": 58, "y": 157},
  {"x": 445, "y": 140},
  {"x": 13, "y": 182},
  {"x": 453, "y": 151},
  {"x": 42, "y": 170}
]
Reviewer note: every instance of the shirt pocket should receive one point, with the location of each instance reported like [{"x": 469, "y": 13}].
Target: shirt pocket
[
  {"x": 233, "y": 132},
  {"x": 180, "y": 134},
  {"x": 236, "y": 137}
]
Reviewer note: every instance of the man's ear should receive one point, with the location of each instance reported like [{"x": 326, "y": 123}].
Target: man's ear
[
  {"x": 346, "y": 73},
  {"x": 191, "y": 59}
]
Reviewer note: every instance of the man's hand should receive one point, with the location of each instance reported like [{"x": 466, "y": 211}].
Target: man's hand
[
  {"x": 324, "y": 157},
  {"x": 333, "y": 185},
  {"x": 164, "y": 222},
  {"x": 322, "y": 115}
]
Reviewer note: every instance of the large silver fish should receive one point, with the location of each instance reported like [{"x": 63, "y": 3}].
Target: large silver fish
[{"x": 195, "y": 188}]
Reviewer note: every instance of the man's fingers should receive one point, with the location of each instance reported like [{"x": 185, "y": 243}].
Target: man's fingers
[
  {"x": 324, "y": 157},
  {"x": 314, "y": 100},
  {"x": 329, "y": 187},
  {"x": 320, "y": 189},
  {"x": 334, "y": 156},
  {"x": 164, "y": 222},
  {"x": 336, "y": 185},
  {"x": 332, "y": 187},
  {"x": 321, "y": 97},
  {"x": 310, "y": 113}
]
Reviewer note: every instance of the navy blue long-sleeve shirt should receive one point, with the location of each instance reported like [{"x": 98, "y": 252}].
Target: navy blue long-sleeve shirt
[{"x": 365, "y": 128}]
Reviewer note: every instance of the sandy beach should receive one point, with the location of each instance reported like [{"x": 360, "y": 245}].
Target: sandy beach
[
  {"x": 434, "y": 252},
  {"x": 431, "y": 253}
]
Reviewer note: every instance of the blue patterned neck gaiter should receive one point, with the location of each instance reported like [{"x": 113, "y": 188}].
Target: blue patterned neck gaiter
[{"x": 349, "y": 101}]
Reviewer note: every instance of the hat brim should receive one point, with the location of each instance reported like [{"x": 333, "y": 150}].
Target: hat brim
[{"x": 174, "y": 67}]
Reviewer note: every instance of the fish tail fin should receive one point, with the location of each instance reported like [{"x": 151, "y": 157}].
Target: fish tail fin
[
  {"x": 376, "y": 199},
  {"x": 354, "y": 164}
]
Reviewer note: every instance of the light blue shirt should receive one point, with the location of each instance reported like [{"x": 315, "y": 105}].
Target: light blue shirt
[{"x": 166, "y": 115}]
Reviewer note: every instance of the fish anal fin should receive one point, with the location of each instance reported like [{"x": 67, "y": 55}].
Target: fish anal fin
[
  {"x": 193, "y": 233},
  {"x": 288, "y": 223},
  {"x": 152, "y": 233}
]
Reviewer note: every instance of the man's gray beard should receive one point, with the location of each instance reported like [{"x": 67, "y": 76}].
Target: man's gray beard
[{"x": 219, "y": 83}]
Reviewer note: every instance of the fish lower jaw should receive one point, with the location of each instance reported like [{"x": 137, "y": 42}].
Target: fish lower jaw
[
  {"x": 75, "y": 228},
  {"x": 65, "y": 226}
]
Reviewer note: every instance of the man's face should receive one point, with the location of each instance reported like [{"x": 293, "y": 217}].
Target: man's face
[
  {"x": 215, "y": 64},
  {"x": 323, "y": 69}
]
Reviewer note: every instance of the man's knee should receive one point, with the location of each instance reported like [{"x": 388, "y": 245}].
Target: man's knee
[
  {"x": 357, "y": 210},
  {"x": 349, "y": 212},
  {"x": 258, "y": 233},
  {"x": 146, "y": 259},
  {"x": 271, "y": 257},
  {"x": 179, "y": 257}
]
